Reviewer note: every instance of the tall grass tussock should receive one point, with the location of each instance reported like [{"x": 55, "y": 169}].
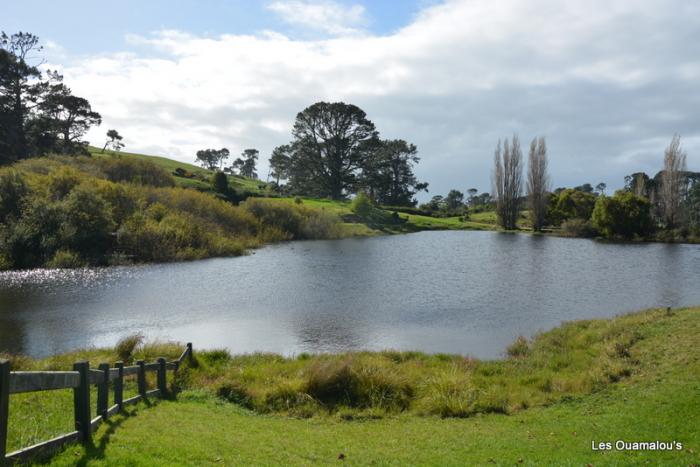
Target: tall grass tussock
[{"x": 575, "y": 359}]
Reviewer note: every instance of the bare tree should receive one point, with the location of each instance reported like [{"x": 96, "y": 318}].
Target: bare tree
[
  {"x": 507, "y": 182},
  {"x": 640, "y": 185},
  {"x": 537, "y": 183},
  {"x": 672, "y": 182}
]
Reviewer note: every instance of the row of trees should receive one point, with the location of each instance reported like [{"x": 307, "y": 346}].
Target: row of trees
[
  {"x": 670, "y": 200},
  {"x": 245, "y": 166},
  {"x": 38, "y": 112},
  {"x": 507, "y": 179}
]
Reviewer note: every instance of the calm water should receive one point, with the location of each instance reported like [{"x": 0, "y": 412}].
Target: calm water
[{"x": 457, "y": 292}]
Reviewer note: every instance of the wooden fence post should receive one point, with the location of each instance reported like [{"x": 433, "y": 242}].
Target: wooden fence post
[
  {"x": 190, "y": 358},
  {"x": 119, "y": 386},
  {"x": 141, "y": 378},
  {"x": 4, "y": 406},
  {"x": 81, "y": 402},
  {"x": 103, "y": 391},
  {"x": 162, "y": 378}
]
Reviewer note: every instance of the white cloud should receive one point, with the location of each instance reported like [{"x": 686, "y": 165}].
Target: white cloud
[
  {"x": 602, "y": 82},
  {"x": 321, "y": 15}
]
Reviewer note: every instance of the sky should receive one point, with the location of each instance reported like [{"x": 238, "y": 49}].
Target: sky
[{"x": 607, "y": 83}]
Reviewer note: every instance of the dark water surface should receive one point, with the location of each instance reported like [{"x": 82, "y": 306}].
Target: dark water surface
[{"x": 456, "y": 292}]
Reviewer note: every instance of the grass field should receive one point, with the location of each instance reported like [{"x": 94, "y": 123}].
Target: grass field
[
  {"x": 235, "y": 181},
  {"x": 658, "y": 399}
]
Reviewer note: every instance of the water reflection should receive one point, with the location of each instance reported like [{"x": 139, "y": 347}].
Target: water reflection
[{"x": 463, "y": 292}]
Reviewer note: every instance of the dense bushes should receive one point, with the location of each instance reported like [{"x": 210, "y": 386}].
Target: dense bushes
[
  {"x": 622, "y": 215},
  {"x": 292, "y": 221},
  {"x": 120, "y": 169},
  {"x": 570, "y": 204},
  {"x": 578, "y": 228},
  {"x": 71, "y": 212}
]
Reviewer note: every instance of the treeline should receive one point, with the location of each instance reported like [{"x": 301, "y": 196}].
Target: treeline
[
  {"x": 336, "y": 152},
  {"x": 666, "y": 207},
  {"x": 38, "y": 113},
  {"x": 65, "y": 211}
]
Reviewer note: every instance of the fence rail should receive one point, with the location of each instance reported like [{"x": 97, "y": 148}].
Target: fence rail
[{"x": 81, "y": 379}]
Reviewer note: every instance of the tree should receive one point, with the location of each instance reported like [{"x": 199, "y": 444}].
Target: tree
[
  {"x": 279, "y": 163},
  {"x": 624, "y": 214},
  {"x": 472, "y": 192},
  {"x": 219, "y": 183},
  {"x": 332, "y": 142},
  {"x": 537, "y": 183},
  {"x": 672, "y": 180},
  {"x": 114, "y": 140},
  {"x": 586, "y": 188},
  {"x": 212, "y": 159},
  {"x": 600, "y": 188},
  {"x": 68, "y": 117},
  {"x": 387, "y": 173},
  {"x": 436, "y": 203},
  {"x": 20, "y": 88},
  {"x": 507, "y": 182},
  {"x": 246, "y": 163},
  {"x": 693, "y": 202},
  {"x": 454, "y": 200}
]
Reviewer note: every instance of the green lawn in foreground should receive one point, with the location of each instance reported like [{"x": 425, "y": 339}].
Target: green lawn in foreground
[
  {"x": 660, "y": 400},
  {"x": 206, "y": 432}
]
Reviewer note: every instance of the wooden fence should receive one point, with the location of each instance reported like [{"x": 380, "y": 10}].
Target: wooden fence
[{"x": 80, "y": 380}]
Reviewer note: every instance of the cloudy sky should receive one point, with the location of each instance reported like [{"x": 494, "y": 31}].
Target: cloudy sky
[{"x": 606, "y": 82}]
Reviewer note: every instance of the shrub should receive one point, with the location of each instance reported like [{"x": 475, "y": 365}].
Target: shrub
[
  {"x": 88, "y": 224},
  {"x": 578, "y": 228},
  {"x": 126, "y": 346},
  {"x": 64, "y": 259},
  {"x": 623, "y": 214},
  {"x": 13, "y": 191},
  {"x": 60, "y": 182},
  {"x": 451, "y": 394},
  {"x": 293, "y": 221},
  {"x": 362, "y": 205},
  {"x": 519, "y": 348},
  {"x": 235, "y": 392},
  {"x": 337, "y": 382},
  {"x": 120, "y": 169},
  {"x": 215, "y": 357},
  {"x": 219, "y": 183},
  {"x": 570, "y": 204}
]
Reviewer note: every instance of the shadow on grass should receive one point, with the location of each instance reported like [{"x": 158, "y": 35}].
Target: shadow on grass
[{"x": 95, "y": 451}]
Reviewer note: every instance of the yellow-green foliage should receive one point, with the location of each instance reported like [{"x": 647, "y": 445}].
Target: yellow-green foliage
[
  {"x": 77, "y": 211},
  {"x": 296, "y": 221}
]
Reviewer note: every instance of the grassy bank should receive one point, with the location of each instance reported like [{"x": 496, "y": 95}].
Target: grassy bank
[
  {"x": 351, "y": 227},
  {"x": 635, "y": 377},
  {"x": 84, "y": 211},
  {"x": 111, "y": 209}
]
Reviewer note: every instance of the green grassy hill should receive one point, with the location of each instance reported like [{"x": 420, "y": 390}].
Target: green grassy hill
[
  {"x": 478, "y": 221},
  {"x": 202, "y": 175},
  {"x": 657, "y": 399}
]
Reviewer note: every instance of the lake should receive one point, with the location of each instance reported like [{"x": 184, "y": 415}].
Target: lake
[{"x": 455, "y": 291}]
